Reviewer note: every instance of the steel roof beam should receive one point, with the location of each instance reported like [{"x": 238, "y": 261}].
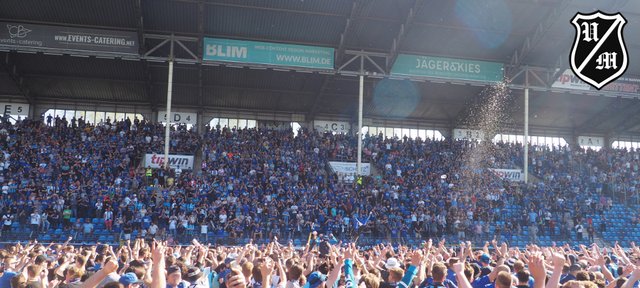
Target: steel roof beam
[
  {"x": 603, "y": 115},
  {"x": 356, "y": 8},
  {"x": 143, "y": 51},
  {"x": 12, "y": 69},
  {"x": 243, "y": 6},
  {"x": 404, "y": 28},
  {"x": 530, "y": 43},
  {"x": 629, "y": 118}
]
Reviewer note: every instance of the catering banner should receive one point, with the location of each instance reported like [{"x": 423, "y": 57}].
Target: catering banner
[{"x": 23, "y": 35}]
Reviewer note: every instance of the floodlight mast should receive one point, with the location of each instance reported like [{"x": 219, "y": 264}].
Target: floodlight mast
[{"x": 167, "y": 130}]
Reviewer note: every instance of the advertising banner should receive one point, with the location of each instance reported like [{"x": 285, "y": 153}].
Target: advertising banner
[
  {"x": 448, "y": 68},
  {"x": 568, "y": 80},
  {"x": 21, "y": 35},
  {"x": 349, "y": 168},
  {"x": 240, "y": 51},
  {"x": 625, "y": 85},
  {"x": 509, "y": 174},
  {"x": 184, "y": 162},
  {"x": 274, "y": 125}
]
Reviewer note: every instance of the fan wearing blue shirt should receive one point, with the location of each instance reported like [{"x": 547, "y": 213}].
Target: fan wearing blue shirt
[{"x": 9, "y": 271}]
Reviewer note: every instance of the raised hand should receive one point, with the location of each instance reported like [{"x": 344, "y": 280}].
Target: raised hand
[
  {"x": 237, "y": 281},
  {"x": 266, "y": 268},
  {"x": 158, "y": 251},
  {"x": 458, "y": 268},
  {"x": 111, "y": 266},
  {"x": 558, "y": 260},
  {"x": 416, "y": 258},
  {"x": 536, "y": 266}
]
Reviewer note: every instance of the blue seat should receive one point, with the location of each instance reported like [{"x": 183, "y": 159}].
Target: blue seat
[{"x": 95, "y": 220}]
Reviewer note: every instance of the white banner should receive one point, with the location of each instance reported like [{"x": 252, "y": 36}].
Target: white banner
[
  {"x": 15, "y": 109},
  {"x": 184, "y": 162},
  {"x": 349, "y": 168},
  {"x": 568, "y": 80},
  {"x": 509, "y": 174},
  {"x": 332, "y": 126},
  {"x": 274, "y": 125},
  {"x": 468, "y": 134},
  {"x": 590, "y": 141},
  {"x": 178, "y": 117}
]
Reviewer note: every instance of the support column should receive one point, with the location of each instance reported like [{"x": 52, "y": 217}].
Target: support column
[
  {"x": 359, "y": 132},
  {"x": 167, "y": 131},
  {"x": 200, "y": 124},
  {"x": 526, "y": 129}
]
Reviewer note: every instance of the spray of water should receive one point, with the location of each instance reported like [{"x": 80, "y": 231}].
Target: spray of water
[{"x": 487, "y": 115}]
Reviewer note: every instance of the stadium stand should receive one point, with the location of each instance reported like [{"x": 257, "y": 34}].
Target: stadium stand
[
  {"x": 271, "y": 183},
  {"x": 262, "y": 128}
]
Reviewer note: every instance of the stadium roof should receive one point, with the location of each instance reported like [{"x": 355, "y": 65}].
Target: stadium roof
[{"x": 518, "y": 33}]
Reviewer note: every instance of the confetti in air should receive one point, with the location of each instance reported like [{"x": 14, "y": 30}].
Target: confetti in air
[{"x": 488, "y": 114}]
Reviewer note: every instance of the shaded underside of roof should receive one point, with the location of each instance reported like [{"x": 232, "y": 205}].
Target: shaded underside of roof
[{"x": 489, "y": 30}]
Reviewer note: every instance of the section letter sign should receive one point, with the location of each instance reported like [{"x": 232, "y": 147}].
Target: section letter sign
[
  {"x": 239, "y": 51},
  {"x": 19, "y": 109},
  {"x": 468, "y": 134},
  {"x": 22, "y": 35},
  {"x": 178, "y": 117},
  {"x": 157, "y": 161},
  {"x": 447, "y": 68},
  {"x": 590, "y": 141},
  {"x": 340, "y": 127}
]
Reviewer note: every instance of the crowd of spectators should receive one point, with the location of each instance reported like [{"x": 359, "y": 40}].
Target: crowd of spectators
[
  {"x": 259, "y": 183},
  {"x": 318, "y": 264}
]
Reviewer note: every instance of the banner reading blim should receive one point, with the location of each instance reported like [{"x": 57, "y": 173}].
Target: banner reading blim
[{"x": 252, "y": 52}]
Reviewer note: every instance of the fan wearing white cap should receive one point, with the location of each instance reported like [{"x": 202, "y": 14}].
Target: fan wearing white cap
[{"x": 394, "y": 271}]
